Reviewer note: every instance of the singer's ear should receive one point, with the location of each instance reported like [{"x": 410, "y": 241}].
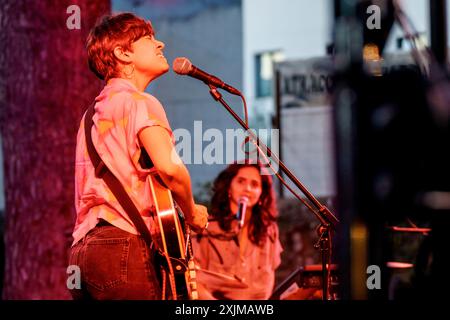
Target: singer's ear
[{"x": 122, "y": 55}]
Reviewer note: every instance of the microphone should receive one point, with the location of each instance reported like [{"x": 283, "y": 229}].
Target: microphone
[
  {"x": 240, "y": 215},
  {"x": 183, "y": 66}
]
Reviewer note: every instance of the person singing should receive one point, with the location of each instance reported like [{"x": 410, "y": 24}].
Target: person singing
[
  {"x": 114, "y": 260},
  {"x": 237, "y": 258}
]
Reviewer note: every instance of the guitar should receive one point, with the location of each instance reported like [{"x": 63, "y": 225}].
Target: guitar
[{"x": 171, "y": 236}]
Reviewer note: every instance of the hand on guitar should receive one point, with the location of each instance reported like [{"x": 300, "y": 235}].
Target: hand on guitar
[{"x": 199, "y": 220}]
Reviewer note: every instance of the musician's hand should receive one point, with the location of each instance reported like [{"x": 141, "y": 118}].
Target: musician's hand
[{"x": 200, "y": 219}]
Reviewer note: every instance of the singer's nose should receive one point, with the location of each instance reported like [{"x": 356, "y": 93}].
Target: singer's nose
[{"x": 160, "y": 44}]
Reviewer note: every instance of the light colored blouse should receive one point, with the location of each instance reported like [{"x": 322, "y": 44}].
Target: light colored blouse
[{"x": 224, "y": 273}]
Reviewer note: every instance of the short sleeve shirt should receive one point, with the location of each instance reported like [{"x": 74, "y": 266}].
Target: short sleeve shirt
[{"x": 121, "y": 112}]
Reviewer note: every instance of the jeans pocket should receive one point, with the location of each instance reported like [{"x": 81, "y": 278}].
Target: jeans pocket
[{"x": 106, "y": 262}]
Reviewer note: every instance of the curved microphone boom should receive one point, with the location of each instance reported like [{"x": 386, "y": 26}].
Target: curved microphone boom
[{"x": 183, "y": 66}]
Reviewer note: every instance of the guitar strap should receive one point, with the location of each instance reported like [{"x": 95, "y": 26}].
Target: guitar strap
[{"x": 102, "y": 171}]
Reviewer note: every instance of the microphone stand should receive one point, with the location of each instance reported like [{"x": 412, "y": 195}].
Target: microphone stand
[{"x": 328, "y": 221}]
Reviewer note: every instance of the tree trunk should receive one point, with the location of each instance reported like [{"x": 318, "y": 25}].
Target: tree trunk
[{"x": 45, "y": 86}]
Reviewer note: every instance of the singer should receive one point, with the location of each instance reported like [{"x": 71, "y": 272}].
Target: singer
[
  {"x": 114, "y": 260},
  {"x": 238, "y": 263}
]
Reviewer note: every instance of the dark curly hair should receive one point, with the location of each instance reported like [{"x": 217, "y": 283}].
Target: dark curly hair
[{"x": 264, "y": 213}]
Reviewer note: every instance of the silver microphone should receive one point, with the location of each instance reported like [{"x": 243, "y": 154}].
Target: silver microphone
[{"x": 242, "y": 208}]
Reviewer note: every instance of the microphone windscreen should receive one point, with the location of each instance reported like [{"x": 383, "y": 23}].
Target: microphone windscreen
[
  {"x": 243, "y": 200},
  {"x": 181, "y": 65},
  {"x": 242, "y": 210}
]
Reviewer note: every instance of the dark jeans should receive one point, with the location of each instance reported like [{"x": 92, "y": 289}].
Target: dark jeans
[{"x": 114, "y": 264}]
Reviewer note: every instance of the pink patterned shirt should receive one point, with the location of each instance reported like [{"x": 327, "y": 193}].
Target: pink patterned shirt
[{"x": 121, "y": 112}]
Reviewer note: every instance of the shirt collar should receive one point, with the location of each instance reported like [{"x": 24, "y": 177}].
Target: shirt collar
[{"x": 122, "y": 83}]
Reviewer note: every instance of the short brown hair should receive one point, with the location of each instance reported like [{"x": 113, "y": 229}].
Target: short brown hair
[{"x": 112, "y": 31}]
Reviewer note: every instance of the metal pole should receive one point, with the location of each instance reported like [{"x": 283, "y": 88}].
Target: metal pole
[{"x": 438, "y": 30}]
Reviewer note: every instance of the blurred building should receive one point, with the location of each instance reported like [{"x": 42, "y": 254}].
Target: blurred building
[
  {"x": 291, "y": 30},
  {"x": 279, "y": 31}
]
